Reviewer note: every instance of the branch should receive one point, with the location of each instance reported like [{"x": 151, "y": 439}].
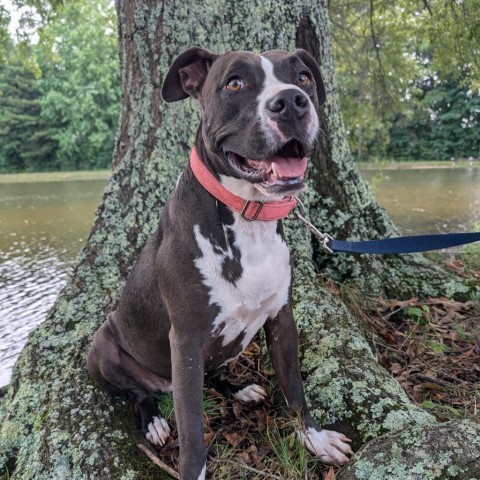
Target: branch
[
  {"x": 346, "y": 28},
  {"x": 158, "y": 462},
  {"x": 377, "y": 48},
  {"x": 427, "y": 6}
]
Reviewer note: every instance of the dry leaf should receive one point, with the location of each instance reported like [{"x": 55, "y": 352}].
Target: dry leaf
[
  {"x": 330, "y": 474},
  {"x": 207, "y": 438},
  {"x": 233, "y": 438}
]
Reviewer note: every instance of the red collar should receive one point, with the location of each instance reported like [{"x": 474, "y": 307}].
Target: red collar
[{"x": 248, "y": 209}]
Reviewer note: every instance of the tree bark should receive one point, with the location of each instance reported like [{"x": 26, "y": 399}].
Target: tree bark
[{"x": 55, "y": 423}]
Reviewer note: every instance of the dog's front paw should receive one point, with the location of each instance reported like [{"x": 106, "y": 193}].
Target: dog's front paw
[
  {"x": 250, "y": 393},
  {"x": 331, "y": 447},
  {"x": 158, "y": 431}
]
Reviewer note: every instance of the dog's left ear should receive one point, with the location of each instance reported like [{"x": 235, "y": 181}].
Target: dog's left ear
[
  {"x": 187, "y": 74},
  {"x": 310, "y": 62}
]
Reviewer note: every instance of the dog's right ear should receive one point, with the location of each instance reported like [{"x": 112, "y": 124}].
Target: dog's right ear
[{"x": 187, "y": 74}]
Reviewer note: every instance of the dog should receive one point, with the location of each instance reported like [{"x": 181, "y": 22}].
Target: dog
[{"x": 218, "y": 268}]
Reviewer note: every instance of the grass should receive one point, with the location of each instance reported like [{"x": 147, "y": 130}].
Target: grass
[
  {"x": 165, "y": 405},
  {"x": 471, "y": 254},
  {"x": 252, "y": 442},
  {"x": 54, "y": 176}
]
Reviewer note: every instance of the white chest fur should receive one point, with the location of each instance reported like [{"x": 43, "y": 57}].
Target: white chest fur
[{"x": 262, "y": 288}]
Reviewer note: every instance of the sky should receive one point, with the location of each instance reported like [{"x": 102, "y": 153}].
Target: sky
[{"x": 14, "y": 15}]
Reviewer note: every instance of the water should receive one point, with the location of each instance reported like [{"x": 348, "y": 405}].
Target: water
[
  {"x": 43, "y": 226},
  {"x": 429, "y": 200}
]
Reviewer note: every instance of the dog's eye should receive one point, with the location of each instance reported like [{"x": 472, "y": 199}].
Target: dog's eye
[
  {"x": 235, "y": 84},
  {"x": 303, "y": 80}
]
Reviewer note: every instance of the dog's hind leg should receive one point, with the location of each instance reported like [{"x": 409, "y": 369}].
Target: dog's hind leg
[
  {"x": 154, "y": 427},
  {"x": 243, "y": 393},
  {"x": 119, "y": 373}
]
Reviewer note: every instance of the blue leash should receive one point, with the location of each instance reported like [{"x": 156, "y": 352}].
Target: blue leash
[
  {"x": 415, "y": 244},
  {"x": 420, "y": 243}
]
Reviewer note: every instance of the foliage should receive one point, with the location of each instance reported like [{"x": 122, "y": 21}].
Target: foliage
[
  {"x": 80, "y": 83},
  {"x": 4, "y": 36},
  {"x": 25, "y": 139},
  {"x": 430, "y": 347},
  {"x": 471, "y": 257},
  {"x": 445, "y": 124},
  {"x": 71, "y": 79},
  {"x": 389, "y": 56},
  {"x": 404, "y": 92}
]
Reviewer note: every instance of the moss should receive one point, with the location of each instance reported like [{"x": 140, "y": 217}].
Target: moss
[
  {"x": 438, "y": 452},
  {"x": 343, "y": 381}
]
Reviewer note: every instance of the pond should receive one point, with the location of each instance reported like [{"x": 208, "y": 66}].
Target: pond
[
  {"x": 44, "y": 225},
  {"x": 431, "y": 200}
]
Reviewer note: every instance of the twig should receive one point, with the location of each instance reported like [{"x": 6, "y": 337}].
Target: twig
[
  {"x": 427, "y": 6},
  {"x": 259, "y": 472},
  {"x": 436, "y": 381},
  {"x": 346, "y": 29},
  {"x": 157, "y": 461},
  {"x": 376, "y": 47}
]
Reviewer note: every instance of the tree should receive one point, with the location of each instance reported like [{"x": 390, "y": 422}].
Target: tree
[
  {"x": 60, "y": 94},
  {"x": 384, "y": 51},
  {"x": 57, "y": 424},
  {"x": 5, "y": 39},
  {"x": 445, "y": 125},
  {"x": 25, "y": 138},
  {"x": 80, "y": 83}
]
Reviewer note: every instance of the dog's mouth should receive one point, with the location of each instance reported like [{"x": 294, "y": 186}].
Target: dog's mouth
[{"x": 284, "y": 170}]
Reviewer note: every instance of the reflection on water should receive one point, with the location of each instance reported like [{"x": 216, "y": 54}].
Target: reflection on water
[
  {"x": 44, "y": 225},
  {"x": 42, "y": 228},
  {"x": 429, "y": 200}
]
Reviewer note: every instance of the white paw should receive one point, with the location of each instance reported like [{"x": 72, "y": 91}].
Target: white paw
[
  {"x": 158, "y": 431},
  {"x": 251, "y": 393},
  {"x": 331, "y": 447}
]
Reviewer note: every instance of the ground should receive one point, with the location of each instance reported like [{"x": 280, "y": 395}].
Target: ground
[{"x": 431, "y": 347}]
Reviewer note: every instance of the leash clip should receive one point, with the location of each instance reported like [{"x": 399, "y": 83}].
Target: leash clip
[{"x": 324, "y": 238}]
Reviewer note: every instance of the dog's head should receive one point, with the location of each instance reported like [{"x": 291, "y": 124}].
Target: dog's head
[{"x": 259, "y": 120}]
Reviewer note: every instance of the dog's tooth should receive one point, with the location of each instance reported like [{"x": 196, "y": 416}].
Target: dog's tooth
[
  {"x": 274, "y": 170},
  {"x": 267, "y": 166}
]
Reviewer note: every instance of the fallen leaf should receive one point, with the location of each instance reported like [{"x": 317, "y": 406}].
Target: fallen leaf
[
  {"x": 233, "y": 438},
  {"x": 207, "y": 438},
  {"x": 330, "y": 475}
]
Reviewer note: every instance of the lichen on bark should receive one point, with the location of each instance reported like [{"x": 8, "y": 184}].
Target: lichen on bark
[
  {"x": 417, "y": 452},
  {"x": 344, "y": 382},
  {"x": 55, "y": 423}
]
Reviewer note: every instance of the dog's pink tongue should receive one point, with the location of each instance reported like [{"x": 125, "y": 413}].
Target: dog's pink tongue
[{"x": 286, "y": 167}]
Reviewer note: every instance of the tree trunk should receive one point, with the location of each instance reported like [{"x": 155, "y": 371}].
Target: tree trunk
[{"x": 55, "y": 423}]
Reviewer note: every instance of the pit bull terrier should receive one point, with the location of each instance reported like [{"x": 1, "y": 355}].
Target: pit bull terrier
[{"x": 218, "y": 268}]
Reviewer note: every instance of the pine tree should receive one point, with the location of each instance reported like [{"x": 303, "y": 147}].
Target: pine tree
[{"x": 25, "y": 139}]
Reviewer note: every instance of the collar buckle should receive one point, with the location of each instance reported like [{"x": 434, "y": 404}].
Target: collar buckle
[{"x": 258, "y": 208}]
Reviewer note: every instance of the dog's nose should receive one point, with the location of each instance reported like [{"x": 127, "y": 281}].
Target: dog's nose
[{"x": 288, "y": 102}]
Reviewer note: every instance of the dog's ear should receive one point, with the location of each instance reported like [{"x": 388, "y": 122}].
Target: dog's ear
[
  {"x": 187, "y": 74},
  {"x": 310, "y": 62}
]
